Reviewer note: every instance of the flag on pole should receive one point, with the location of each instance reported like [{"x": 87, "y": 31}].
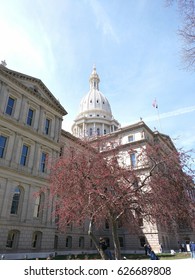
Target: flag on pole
[{"x": 154, "y": 104}]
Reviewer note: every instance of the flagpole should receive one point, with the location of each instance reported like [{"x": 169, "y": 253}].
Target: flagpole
[
  {"x": 155, "y": 105},
  {"x": 159, "y": 119}
]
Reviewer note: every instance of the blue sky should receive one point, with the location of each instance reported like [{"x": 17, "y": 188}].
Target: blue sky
[{"x": 133, "y": 43}]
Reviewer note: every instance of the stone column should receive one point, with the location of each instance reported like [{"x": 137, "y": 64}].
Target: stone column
[
  {"x": 8, "y": 195},
  {"x": 83, "y": 129},
  {"x": 23, "y": 111},
  {"x": 25, "y": 204},
  {"x": 3, "y": 97},
  {"x": 103, "y": 129},
  {"x": 41, "y": 121}
]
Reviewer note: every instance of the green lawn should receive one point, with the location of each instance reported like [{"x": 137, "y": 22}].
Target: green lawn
[{"x": 164, "y": 256}]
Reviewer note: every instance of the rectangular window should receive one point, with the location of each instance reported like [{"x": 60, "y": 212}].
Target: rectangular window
[
  {"x": 15, "y": 201},
  {"x": 30, "y": 117},
  {"x": 23, "y": 159},
  {"x": 10, "y": 106},
  {"x": 133, "y": 160},
  {"x": 47, "y": 126},
  {"x": 43, "y": 162},
  {"x": 130, "y": 138},
  {"x": 3, "y": 140}
]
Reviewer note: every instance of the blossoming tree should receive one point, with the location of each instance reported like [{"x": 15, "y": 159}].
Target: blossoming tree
[{"x": 97, "y": 183}]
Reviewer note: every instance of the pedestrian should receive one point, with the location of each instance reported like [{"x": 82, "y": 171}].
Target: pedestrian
[
  {"x": 192, "y": 249},
  {"x": 183, "y": 247},
  {"x": 149, "y": 249},
  {"x": 153, "y": 256},
  {"x": 161, "y": 248},
  {"x": 104, "y": 247},
  {"x": 146, "y": 249}
]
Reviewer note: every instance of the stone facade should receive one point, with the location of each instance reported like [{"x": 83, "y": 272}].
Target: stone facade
[{"x": 30, "y": 130}]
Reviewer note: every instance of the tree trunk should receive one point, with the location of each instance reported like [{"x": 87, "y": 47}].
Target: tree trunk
[
  {"x": 117, "y": 250},
  {"x": 95, "y": 241}
]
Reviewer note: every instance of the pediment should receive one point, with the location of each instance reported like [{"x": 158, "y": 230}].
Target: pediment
[{"x": 36, "y": 87}]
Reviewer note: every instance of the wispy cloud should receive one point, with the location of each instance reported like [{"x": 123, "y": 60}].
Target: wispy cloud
[
  {"x": 103, "y": 20},
  {"x": 174, "y": 113}
]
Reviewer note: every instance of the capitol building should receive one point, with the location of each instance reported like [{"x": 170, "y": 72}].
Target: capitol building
[{"x": 30, "y": 131}]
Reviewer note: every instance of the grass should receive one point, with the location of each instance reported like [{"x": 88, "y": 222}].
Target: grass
[
  {"x": 177, "y": 256},
  {"x": 163, "y": 256}
]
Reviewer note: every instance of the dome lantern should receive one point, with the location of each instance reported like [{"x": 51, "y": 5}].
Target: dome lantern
[{"x": 94, "y": 80}]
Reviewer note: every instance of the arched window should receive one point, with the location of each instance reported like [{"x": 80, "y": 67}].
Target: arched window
[
  {"x": 16, "y": 200},
  {"x": 90, "y": 132},
  {"x": 98, "y": 131},
  {"x": 38, "y": 209},
  {"x": 36, "y": 240},
  {"x": 12, "y": 239}
]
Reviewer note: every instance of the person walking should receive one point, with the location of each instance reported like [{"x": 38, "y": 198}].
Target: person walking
[
  {"x": 161, "y": 248},
  {"x": 192, "y": 249},
  {"x": 104, "y": 247}
]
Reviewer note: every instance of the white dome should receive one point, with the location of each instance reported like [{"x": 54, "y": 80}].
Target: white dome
[
  {"x": 95, "y": 115},
  {"x": 95, "y": 100}
]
